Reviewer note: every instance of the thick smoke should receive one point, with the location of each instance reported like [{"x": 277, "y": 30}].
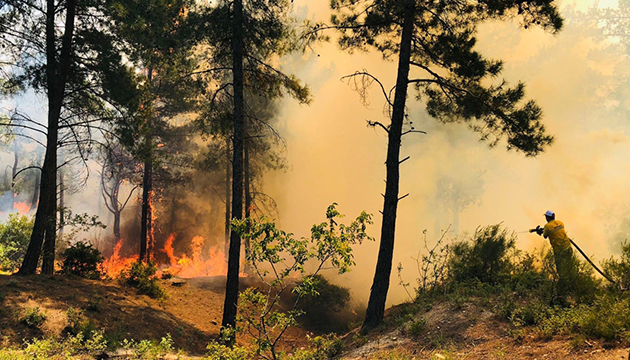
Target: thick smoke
[{"x": 578, "y": 77}]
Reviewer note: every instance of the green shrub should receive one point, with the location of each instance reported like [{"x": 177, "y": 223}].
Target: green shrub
[
  {"x": 79, "y": 324},
  {"x": 142, "y": 277},
  {"x": 72, "y": 347},
  {"x": 608, "y": 318},
  {"x": 82, "y": 259},
  {"x": 417, "y": 327},
  {"x": 486, "y": 257},
  {"x": 149, "y": 349},
  {"x": 320, "y": 310},
  {"x": 15, "y": 234},
  {"x": 32, "y": 317},
  {"x": 619, "y": 269},
  {"x": 321, "y": 348}
]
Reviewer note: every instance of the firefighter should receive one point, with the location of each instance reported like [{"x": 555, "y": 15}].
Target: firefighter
[{"x": 562, "y": 251}]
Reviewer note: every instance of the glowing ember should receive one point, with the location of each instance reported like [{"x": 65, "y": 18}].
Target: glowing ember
[
  {"x": 115, "y": 264},
  {"x": 22, "y": 207}
]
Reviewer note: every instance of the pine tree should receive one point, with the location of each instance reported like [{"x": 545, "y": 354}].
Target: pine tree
[
  {"x": 59, "y": 49},
  {"x": 243, "y": 38},
  {"x": 434, "y": 41}
]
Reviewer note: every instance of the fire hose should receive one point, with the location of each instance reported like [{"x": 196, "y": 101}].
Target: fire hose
[{"x": 538, "y": 230}]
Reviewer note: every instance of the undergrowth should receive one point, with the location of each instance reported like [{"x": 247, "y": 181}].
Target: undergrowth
[
  {"x": 142, "y": 277},
  {"x": 488, "y": 270}
]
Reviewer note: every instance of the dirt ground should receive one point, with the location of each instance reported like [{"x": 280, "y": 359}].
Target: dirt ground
[
  {"x": 473, "y": 333},
  {"x": 191, "y": 314}
]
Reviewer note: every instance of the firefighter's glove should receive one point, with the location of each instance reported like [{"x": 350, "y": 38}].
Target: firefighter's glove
[{"x": 538, "y": 230}]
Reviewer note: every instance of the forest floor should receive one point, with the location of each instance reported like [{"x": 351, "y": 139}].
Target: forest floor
[
  {"x": 191, "y": 314},
  {"x": 468, "y": 331}
]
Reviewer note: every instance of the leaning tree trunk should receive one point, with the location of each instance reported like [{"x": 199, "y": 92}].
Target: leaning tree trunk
[
  {"x": 231, "y": 287},
  {"x": 57, "y": 73},
  {"x": 145, "y": 227},
  {"x": 380, "y": 286}
]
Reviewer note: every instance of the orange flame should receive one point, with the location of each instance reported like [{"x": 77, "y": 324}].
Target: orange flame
[
  {"x": 211, "y": 263},
  {"x": 22, "y": 207},
  {"x": 115, "y": 264},
  {"x": 199, "y": 263}
]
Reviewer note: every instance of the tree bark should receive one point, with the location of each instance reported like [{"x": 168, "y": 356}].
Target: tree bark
[
  {"x": 14, "y": 173},
  {"x": 145, "y": 227},
  {"x": 57, "y": 73},
  {"x": 36, "y": 186},
  {"x": 380, "y": 286},
  {"x": 62, "y": 203},
  {"x": 228, "y": 196},
  {"x": 248, "y": 190},
  {"x": 231, "y": 287}
]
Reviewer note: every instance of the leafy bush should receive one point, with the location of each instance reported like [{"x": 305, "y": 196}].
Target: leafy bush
[
  {"x": 320, "y": 309},
  {"x": 82, "y": 259},
  {"x": 330, "y": 244},
  {"x": 79, "y": 324},
  {"x": 417, "y": 327},
  {"x": 149, "y": 349},
  {"x": 619, "y": 269},
  {"x": 52, "y": 348},
  {"x": 142, "y": 277},
  {"x": 32, "y": 317},
  {"x": 15, "y": 235},
  {"x": 486, "y": 257}
]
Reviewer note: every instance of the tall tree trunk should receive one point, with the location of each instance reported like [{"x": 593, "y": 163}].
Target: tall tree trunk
[
  {"x": 228, "y": 197},
  {"x": 57, "y": 73},
  {"x": 36, "y": 186},
  {"x": 145, "y": 227},
  {"x": 380, "y": 286},
  {"x": 62, "y": 203},
  {"x": 248, "y": 190},
  {"x": 231, "y": 287},
  {"x": 14, "y": 172}
]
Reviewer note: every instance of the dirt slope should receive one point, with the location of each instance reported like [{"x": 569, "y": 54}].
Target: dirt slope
[
  {"x": 191, "y": 314},
  {"x": 472, "y": 333}
]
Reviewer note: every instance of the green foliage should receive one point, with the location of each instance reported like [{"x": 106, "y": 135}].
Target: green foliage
[
  {"x": 486, "y": 258},
  {"x": 142, "y": 277},
  {"x": 72, "y": 347},
  {"x": 417, "y": 327},
  {"x": 218, "y": 351},
  {"x": 619, "y": 269},
  {"x": 270, "y": 248},
  {"x": 32, "y": 317},
  {"x": 82, "y": 259},
  {"x": 78, "y": 324},
  {"x": 319, "y": 310},
  {"x": 15, "y": 235},
  {"x": 149, "y": 349},
  {"x": 320, "y": 348},
  {"x": 456, "y": 81}
]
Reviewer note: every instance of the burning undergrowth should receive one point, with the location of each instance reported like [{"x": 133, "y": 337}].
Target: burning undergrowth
[{"x": 199, "y": 259}]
